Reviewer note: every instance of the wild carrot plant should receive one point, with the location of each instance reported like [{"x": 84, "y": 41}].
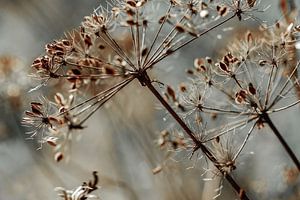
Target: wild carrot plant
[{"x": 122, "y": 41}]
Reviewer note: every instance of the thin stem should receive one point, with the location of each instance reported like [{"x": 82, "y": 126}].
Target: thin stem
[
  {"x": 117, "y": 50},
  {"x": 285, "y": 107},
  {"x": 245, "y": 141},
  {"x": 279, "y": 96},
  {"x": 268, "y": 90},
  {"x": 189, "y": 41},
  {"x": 145, "y": 81},
  {"x": 230, "y": 128},
  {"x": 105, "y": 92},
  {"x": 163, "y": 45},
  {"x": 137, "y": 28},
  {"x": 157, "y": 34},
  {"x": 223, "y": 111},
  {"x": 267, "y": 119}
]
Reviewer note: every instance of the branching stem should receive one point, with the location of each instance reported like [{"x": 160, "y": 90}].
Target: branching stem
[
  {"x": 146, "y": 81},
  {"x": 267, "y": 119}
]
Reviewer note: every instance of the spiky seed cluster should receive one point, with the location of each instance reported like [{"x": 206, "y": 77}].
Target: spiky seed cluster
[
  {"x": 242, "y": 87},
  {"x": 82, "y": 192},
  {"x": 113, "y": 46},
  {"x": 13, "y": 81}
]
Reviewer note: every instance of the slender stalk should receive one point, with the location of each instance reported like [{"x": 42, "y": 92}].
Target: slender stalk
[
  {"x": 163, "y": 56},
  {"x": 145, "y": 81},
  {"x": 267, "y": 119}
]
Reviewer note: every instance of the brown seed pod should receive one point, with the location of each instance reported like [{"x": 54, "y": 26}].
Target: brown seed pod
[
  {"x": 223, "y": 67},
  {"x": 249, "y": 37},
  {"x": 131, "y": 3},
  {"x": 182, "y": 87},
  {"x": 251, "y": 3},
  {"x": 51, "y": 141},
  {"x": 262, "y": 62},
  {"x": 240, "y": 97},
  {"x": 171, "y": 93},
  {"x": 180, "y": 28},
  {"x": 251, "y": 89},
  {"x": 156, "y": 170},
  {"x": 222, "y": 10},
  {"x": 58, "y": 156}
]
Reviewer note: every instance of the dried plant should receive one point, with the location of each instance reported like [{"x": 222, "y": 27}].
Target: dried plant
[
  {"x": 82, "y": 192},
  {"x": 12, "y": 89},
  {"x": 123, "y": 41}
]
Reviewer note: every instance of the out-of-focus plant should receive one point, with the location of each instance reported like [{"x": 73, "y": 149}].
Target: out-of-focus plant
[
  {"x": 13, "y": 80},
  {"x": 82, "y": 192},
  {"x": 123, "y": 41}
]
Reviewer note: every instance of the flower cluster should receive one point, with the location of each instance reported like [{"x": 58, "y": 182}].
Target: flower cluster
[
  {"x": 255, "y": 77},
  {"x": 121, "y": 42},
  {"x": 12, "y": 88},
  {"x": 112, "y": 47}
]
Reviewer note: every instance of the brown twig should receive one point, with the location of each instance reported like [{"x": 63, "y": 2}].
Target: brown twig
[{"x": 146, "y": 81}]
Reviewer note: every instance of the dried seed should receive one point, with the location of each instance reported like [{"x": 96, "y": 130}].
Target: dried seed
[
  {"x": 130, "y": 22},
  {"x": 251, "y": 3},
  {"x": 36, "y": 109},
  {"x": 218, "y": 139},
  {"x": 58, "y": 156},
  {"x": 156, "y": 170},
  {"x": 58, "y": 97},
  {"x": 198, "y": 62},
  {"x": 240, "y": 97},
  {"x": 297, "y": 28},
  {"x": 182, "y": 87},
  {"x": 52, "y": 141},
  {"x": 208, "y": 60},
  {"x": 131, "y": 3},
  {"x": 223, "y": 67},
  {"x": 204, "y": 13},
  {"x": 162, "y": 19},
  {"x": 222, "y": 10},
  {"x": 164, "y": 133},
  {"x": 109, "y": 70},
  {"x": 101, "y": 46},
  {"x": 144, "y": 52},
  {"x": 249, "y": 37},
  {"x": 262, "y": 62},
  {"x": 171, "y": 93},
  {"x": 76, "y": 72},
  {"x": 88, "y": 41},
  {"x": 180, "y": 28},
  {"x": 190, "y": 71},
  {"x": 251, "y": 89}
]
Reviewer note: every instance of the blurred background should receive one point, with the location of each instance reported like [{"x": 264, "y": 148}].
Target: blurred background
[{"x": 119, "y": 142}]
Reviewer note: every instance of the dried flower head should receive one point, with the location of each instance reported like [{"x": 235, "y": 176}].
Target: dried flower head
[
  {"x": 82, "y": 192},
  {"x": 113, "y": 46}
]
